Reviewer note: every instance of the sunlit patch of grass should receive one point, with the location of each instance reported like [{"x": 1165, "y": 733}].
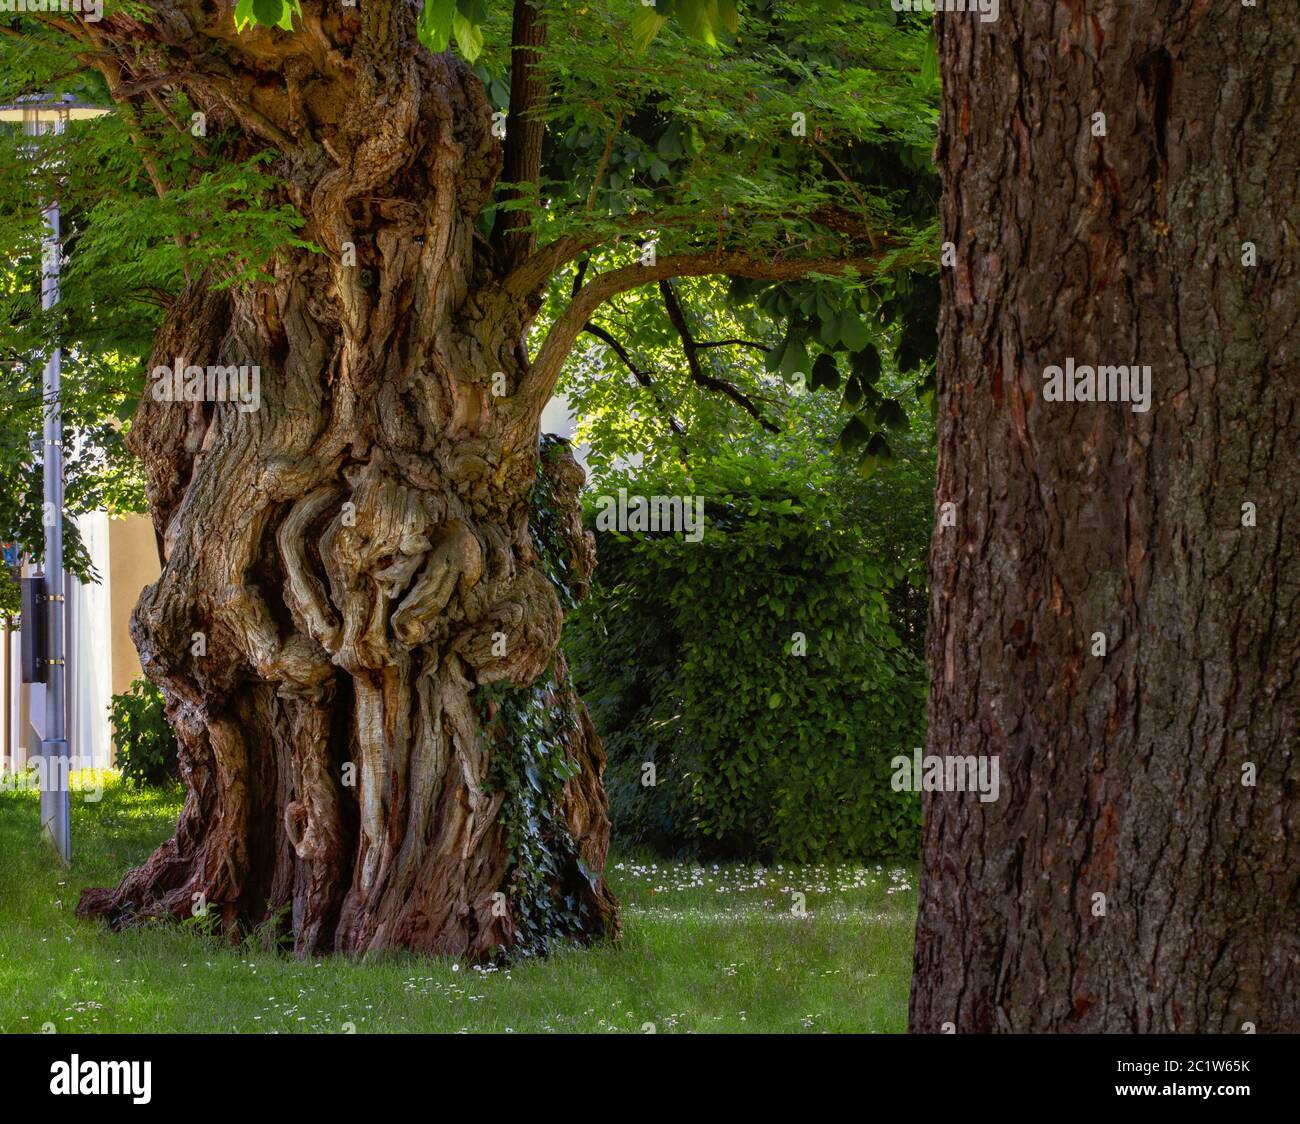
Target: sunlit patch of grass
[{"x": 705, "y": 948}]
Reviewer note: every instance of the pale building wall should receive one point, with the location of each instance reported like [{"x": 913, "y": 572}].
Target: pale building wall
[
  {"x": 132, "y": 564},
  {"x": 87, "y": 642},
  {"x": 124, "y": 553}
]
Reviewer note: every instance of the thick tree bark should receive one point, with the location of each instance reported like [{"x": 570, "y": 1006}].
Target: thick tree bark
[
  {"x": 1122, "y": 775},
  {"x": 351, "y": 564}
]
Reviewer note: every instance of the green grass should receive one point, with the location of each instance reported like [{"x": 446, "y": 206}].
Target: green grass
[{"x": 704, "y": 949}]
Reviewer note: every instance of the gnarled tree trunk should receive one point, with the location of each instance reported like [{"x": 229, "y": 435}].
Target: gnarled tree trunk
[
  {"x": 1162, "y": 774},
  {"x": 350, "y": 565}
]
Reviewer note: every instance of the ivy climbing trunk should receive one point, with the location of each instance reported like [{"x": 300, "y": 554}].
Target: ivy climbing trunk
[
  {"x": 356, "y": 623},
  {"x": 1140, "y": 870}
]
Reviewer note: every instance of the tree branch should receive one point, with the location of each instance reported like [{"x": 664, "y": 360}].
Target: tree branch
[
  {"x": 534, "y": 270},
  {"x": 537, "y": 385},
  {"x": 700, "y": 377},
  {"x": 524, "y": 131},
  {"x": 604, "y": 160},
  {"x": 643, "y": 377},
  {"x": 702, "y": 344},
  {"x": 540, "y": 266}
]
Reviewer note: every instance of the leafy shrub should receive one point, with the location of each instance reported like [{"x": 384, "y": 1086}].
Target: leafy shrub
[
  {"x": 685, "y": 653},
  {"x": 145, "y": 744}
]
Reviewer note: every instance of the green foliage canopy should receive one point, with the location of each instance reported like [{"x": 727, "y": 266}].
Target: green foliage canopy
[{"x": 764, "y": 130}]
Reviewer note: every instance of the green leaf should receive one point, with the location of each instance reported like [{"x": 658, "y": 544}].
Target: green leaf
[
  {"x": 646, "y": 24},
  {"x": 930, "y": 61},
  {"x": 774, "y": 358},
  {"x": 876, "y": 453},
  {"x": 855, "y": 434},
  {"x": 774, "y": 700},
  {"x": 866, "y": 364},
  {"x": 853, "y": 392},
  {"x": 824, "y": 373},
  {"x": 917, "y": 345},
  {"x": 469, "y": 36},
  {"x": 795, "y": 358},
  {"x": 670, "y": 141},
  {"x": 853, "y": 330},
  {"x": 699, "y": 19},
  {"x": 435, "y": 24},
  {"x": 269, "y": 12},
  {"x": 926, "y": 392},
  {"x": 891, "y": 414}
]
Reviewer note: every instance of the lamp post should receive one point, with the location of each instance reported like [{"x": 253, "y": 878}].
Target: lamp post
[{"x": 40, "y": 114}]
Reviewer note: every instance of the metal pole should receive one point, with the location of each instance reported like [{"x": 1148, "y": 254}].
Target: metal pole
[{"x": 56, "y": 797}]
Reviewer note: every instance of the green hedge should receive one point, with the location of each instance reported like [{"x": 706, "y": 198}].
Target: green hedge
[{"x": 684, "y": 653}]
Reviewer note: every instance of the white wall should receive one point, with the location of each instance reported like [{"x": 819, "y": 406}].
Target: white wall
[{"x": 88, "y": 642}]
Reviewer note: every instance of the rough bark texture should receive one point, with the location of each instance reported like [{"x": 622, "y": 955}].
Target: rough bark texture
[
  {"x": 357, "y": 554},
  {"x": 1122, "y": 775}
]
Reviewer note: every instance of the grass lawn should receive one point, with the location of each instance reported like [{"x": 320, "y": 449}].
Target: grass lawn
[{"x": 714, "y": 948}]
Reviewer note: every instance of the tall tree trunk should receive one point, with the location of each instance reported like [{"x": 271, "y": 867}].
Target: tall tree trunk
[
  {"x": 351, "y": 566},
  {"x": 1162, "y": 774}
]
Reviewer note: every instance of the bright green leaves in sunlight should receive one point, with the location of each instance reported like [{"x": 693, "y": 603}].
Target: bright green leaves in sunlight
[
  {"x": 704, "y": 20},
  {"x": 441, "y": 21}
]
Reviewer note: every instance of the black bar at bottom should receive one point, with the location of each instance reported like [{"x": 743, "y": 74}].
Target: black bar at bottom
[{"x": 536, "y": 1076}]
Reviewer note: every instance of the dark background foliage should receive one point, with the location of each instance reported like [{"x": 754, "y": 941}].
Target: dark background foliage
[{"x": 685, "y": 654}]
